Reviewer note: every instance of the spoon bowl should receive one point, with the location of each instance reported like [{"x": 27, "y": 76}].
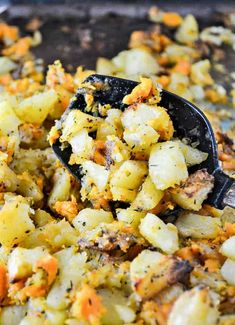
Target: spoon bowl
[{"x": 189, "y": 123}]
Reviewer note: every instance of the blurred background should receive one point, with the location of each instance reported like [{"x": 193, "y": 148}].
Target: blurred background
[{"x": 78, "y": 32}]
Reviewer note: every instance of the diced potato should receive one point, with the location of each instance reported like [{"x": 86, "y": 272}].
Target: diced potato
[
  {"x": 15, "y": 223},
  {"x": 130, "y": 216},
  {"x": 151, "y": 115},
  {"x": 179, "y": 85},
  {"x": 33, "y": 320},
  {"x": 72, "y": 266},
  {"x": 105, "y": 66},
  {"x": 228, "y": 319},
  {"x": 192, "y": 155},
  {"x": 104, "y": 129},
  {"x": 148, "y": 197},
  {"x": 82, "y": 147},
  {"x": 188, "y": 31},
  {"x": 197, "y": 226},
  {"x": 194, "y": 307},
  {"x": 12, "y": 315},
  {"x": 123, "y": 194},
  {"x": 228, "y": 248},
  {"x": 114, "y": 301},
  {"x": 76, "y": 121},
  {"x": 116, "y": 150},
  {"x": 6, "y": 65},
  {"x": 88, "y": 219},
  {"x": 193, "y": 192},
  {"x": 159, "y": 234},
  {"x": 9, "y": 121},
  {"x": 228, "y": 271},
  {"x": 200, "y": 73},
  {"x": 61, "y": 187},
  {"x": 41, "y": 218},
  {"x": 99, "y": 175},
  {"x": 167, "y": 165},
  {"x": 22, "y": 261},
  {"x": 28, "y": 187},
  {"x": 126, "y": 314},
  {"x": 35, "y": 109},
  {"x": 129, "y": 175},
  {"x": 151, "y": 272},
  {"x": 8, "y": 179},
  {"x": 140, "y": 61},
  {"x": 120, "y": 60},
  {"x": 141, "y": 138},
  {"x": 53, "y": 235}
]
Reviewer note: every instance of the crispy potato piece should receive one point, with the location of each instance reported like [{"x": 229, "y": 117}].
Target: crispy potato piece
[
  {"x": 194, "y": 307},
  {"x": 151, "y": 272},
  {"x": 192, "y": 193}
]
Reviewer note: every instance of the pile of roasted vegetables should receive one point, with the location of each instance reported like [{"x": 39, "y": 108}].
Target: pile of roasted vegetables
[{"x": 133, "y": 242}]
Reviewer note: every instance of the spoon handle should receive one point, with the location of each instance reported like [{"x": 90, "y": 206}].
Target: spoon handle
[{"x": 229, "y": 197}]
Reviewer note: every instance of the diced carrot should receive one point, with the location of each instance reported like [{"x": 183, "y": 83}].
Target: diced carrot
[
  {"x": 229, "y": 165},
  {"x": 163, "y": 60},
  {"x": 142, "y": 90},
  {"x": 9, "y": 32},
  {"x": 164, "y": 40},
  {"x": 18, "y": 49},
  {"x": 5, "y": 79},
  {"x": 3, "y": 282},
  {"x": 164, "y": 81},
  {"x": 34, "y": 291},
  {"x": 212, "y": 265},
  {"x": 171, "y": 19},
  {"x": 188, "y": 253},
  {"x": 67, "y": 209},
  {"x": 50, "y": 265},
  {"x": 183, "y": 67},
  {"x": 88, "y": 306}
]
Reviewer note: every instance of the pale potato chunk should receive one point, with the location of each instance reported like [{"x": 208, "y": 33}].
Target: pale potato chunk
[
  {"x": 9, "y": 122},
  {"x": 105, "y": 66},
  {"x": 228, "y": 248},
  {"x": 53, "y": 235},
  {"x": 140, "y": 138},
  {"x": 97, "y": 174},
  {"x": 159, "y": 234},
  {"x": 188, "y": 31},
  {"x": 8, "y": 179},
  {"x": 123, "y": 194},
  {"x": 129, "y": 175},
  {"x": 192, "y": 155},
  {"x": 15, "y": 223},
  {"x": 76, "y": 121},
  {"x": 194, "y": 307},
  {"x": 228, "y": 271},
  {"x": 167, "y": 165},
  {"x": 28, "y": 187},
  {"x": 88, "y": 219},
  {"x": 82, "y": 147},
  {"x": 41, "y": 218},
  {"x": 35, "y": 109},
  {"x": 200, "y": 73},
  {"x": 72, "y": 266},
  {"x": 197, "y": 226},
  {"x": 21, "y": 262},
  {"x": 116, "y": 150},
  {"x": 151, "y": 115},
  {"x": 130, "y": 216},
  {"x": 12, "y": 315},
  {"x": 61, "y": 187},
  {"x": 148, "y": 197},
  {"x": 192, "y": 193}
]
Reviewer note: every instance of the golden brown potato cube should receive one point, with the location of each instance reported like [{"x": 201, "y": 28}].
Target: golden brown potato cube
[{"x": 192, "y": 193}]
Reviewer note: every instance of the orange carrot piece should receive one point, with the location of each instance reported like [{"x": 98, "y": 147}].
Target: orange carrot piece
[{"x": 50, "y": 265}]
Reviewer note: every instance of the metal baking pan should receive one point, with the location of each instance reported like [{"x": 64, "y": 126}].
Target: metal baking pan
[{"x": 77, "y": 32}]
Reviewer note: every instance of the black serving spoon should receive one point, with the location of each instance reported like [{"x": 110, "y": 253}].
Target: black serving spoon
[{"x": 189, "y": 122}]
